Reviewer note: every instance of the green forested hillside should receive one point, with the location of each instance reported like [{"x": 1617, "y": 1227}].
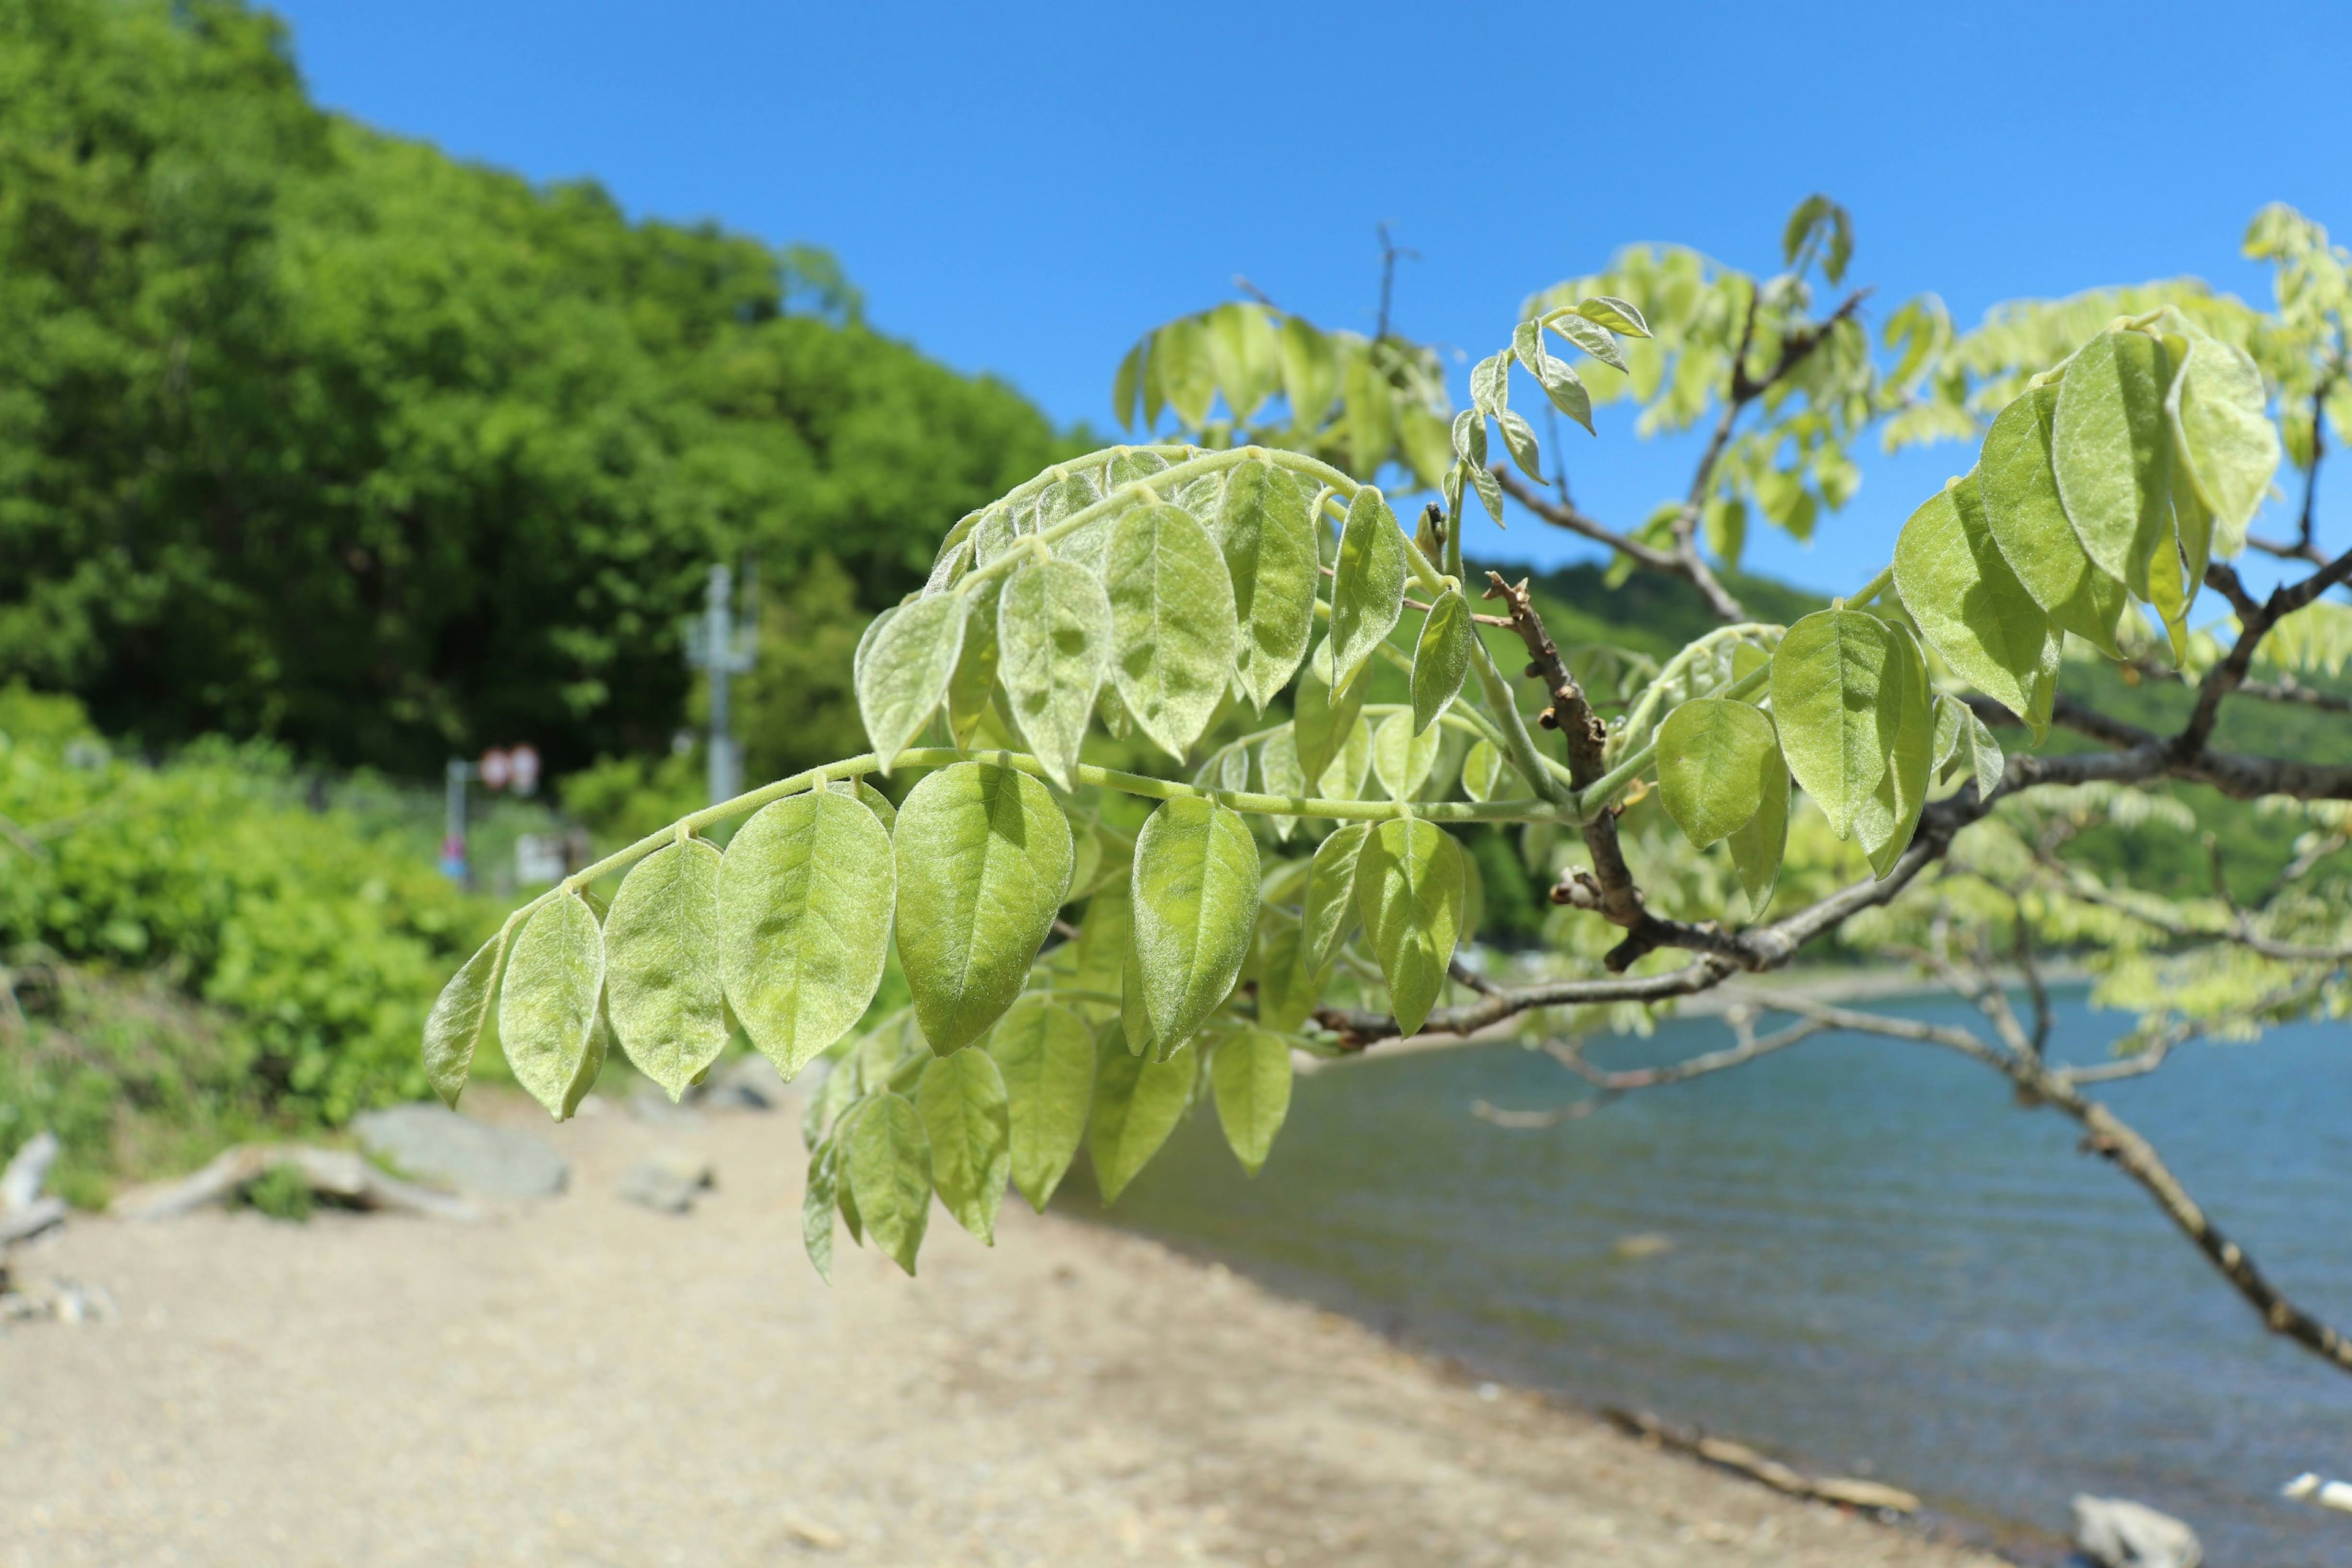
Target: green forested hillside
[{"x": 311, "y": 433}]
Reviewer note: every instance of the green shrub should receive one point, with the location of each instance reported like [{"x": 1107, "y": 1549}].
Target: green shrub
[{"x": 313, "y": 946}]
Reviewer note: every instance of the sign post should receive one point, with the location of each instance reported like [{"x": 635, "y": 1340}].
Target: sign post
[{"x": 720, "y": 648}]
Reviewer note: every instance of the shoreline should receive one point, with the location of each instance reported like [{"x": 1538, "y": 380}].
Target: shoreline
[{"x": 583, "y": 1378}]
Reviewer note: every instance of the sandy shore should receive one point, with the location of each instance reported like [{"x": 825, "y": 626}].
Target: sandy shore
[{"x": 584, "y": 1381}]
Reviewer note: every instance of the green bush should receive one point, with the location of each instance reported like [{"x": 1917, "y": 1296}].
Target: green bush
[{"x": 313, "y": 945}]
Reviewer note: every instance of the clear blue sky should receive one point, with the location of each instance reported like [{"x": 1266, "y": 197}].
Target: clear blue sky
[{"x": 1024, "y": 189}]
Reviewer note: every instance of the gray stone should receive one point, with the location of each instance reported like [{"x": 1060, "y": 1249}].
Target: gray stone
[
  {"x": 436, "y": 1145},
  {"x": 2115, "y": 1533},
  {"x": 27, "y": 1171},
  {"x": 668, "y": 1183},
  {"x": 741, "y": 1083},
  {"x": 647, "y": 1102}
]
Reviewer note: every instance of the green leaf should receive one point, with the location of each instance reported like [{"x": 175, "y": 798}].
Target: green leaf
[
  {"x": 1440, "y": 659},
  {"x": 2020, "y": 491},
  {"x": 1590, "y": 336},
  {"x": 1104, "y": 937},
  {"x": 2112, "y": 451},
  {"x": 547, "y": 1009},
  {"x": 1250, "y": 1076},
  {"x": 1716, "y": 761},
  {"x": 1172, "y": 627},
  {"x": 1195, "y": 897},
  {"x": 1243, "y": 353},
  {"x": 1838, "y": 707},
  {"x": 1310, "y": 373},
  {"x": 1367, "y": 588},
  {"x": 1054, "y": 626},
  {"x": 662, "y": 987},
  {"x": 1886, "y": 821},
  {"x": 1401, "y": 758},
  {"x": 1344, "y": 779},
  {"x": 1368, "y": 421},
  {"x": 1758, "y": 845},
  {"x": 1268, "y": 543},
  {"x": 1490, "y": 384},
  {"x": 1952, "y": 728},
  {"x": 804, "y": 897},
  {"x": 1971, "y": 608},
  {"x": 1985, "y": 760},
  {"x": 1330, "y": 903},
  {"x": 818, "y": 1196},
  {"x": 875, "y": 800},
  {"x": 1288, "y": 986},
  {"x": 453, "y": 1030},
  {"x": 1409, "y": 891},
  {"x": 962, "y": 1105},
  {"x": 1046, "y": 1054},
  {"x": 1279, "y": 773},
  {"x": 905, "y": 675},
  {"x": 1137, "y": 1104},
  {"x": 1322, "y": 722},
  {"x": 983, "y": 859},
  {"x": 1482, "y": 772},
  {"x": 974, "y": 685},
  {"x": 889, "y": 1160},
  {"x": 1519, "y": 439},
  {"x": 2226, "y": 441},
  {"x": 1617, "y": 315}
]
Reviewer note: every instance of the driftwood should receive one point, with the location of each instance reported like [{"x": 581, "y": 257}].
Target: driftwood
[
  {"x": 1747, "y": 1461},
  {"x": 23, "y": 1211},
  {"x": 17, "y": 1224},
  {"x": 331, "y": 1173}
]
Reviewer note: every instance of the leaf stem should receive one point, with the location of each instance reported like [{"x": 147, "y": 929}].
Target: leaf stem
[{"x": 1871, "y": 589}]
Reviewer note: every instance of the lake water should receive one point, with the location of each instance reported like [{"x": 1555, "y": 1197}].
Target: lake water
[{"x": 1880, "y": 1265}]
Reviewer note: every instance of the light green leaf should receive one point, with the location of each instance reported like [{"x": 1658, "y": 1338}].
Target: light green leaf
[
  {"x": 1172, "y": 627},
  {"x": 1243, "y": 353},
  {"x": 1250, "y": 1076},
  {"x": 1104, "y": 938},
  {"x": 1262, "y": 530},
  {"x": 1715, "y": 760},
  {"x": 961, "y": 1102},
  {"x": 983, "y": 859},
  {"x": 1287, "y": 986},
  {"x": 1951, "y": 729},
  {"x": 662, "y": 987},
  {"x": 1490, "y": 384},
  {"x": 1972, "y": 609},
  {"x": 1409, "y": 891},
  {"x": 1368, "y": 421},
  {"x": 453, "y": 1030},
  {"x": 1886, "y": 821},
  {"x": 1482, "y": 772},
  {"x": 875, "y": 800},
  {"x": 1322, "y": 722},
  {"x": 1401, "y": 758},
  {"x": 2112, "y": 452},
  {"x": 1984, "y": 758},
  {"x": 2226, "y": 440},
  {"x": 1046, "y": 1054},
  {"x": 818, "y": 1196},
  {"x": 1838, "y": 708},
  {"x": 1344, "y": 779},
  {"x": 1568, "y": 394},
  {"x": 1490, "y": 492},
  {"x": 1330, "y": 904},
  {"x": 805, "y": 898},
  {"x": 2020, "y": 491},
  {"x": 907, "y": 668},
  {"x": 1310, "y": 373},
  {"x": 889, "y": 1161},
  {"x": 1279, "y": 774},
  {"x": 1442, "y": 657},
  {"x": 974, "y": 685},
  {"x": 1138, "y": 1103},
  {"x": 1367, "y": 588},
  {"x": 1590, "y": 336},
  {"x": 1195, "y": 897},
  {"x": 548, "y": 1008},
  {"x": 1053, "y": 625},
  {"x": 1519, "y": 439},
  {"x": 1758, "y": 846},
  {"x": 1616, "y": 314}
]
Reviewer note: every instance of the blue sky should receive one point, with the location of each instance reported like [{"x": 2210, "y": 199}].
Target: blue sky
[{"x": 1023, "y": 190}]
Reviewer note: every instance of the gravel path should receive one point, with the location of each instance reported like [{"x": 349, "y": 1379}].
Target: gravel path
[{"x": 585, "y": 1381}]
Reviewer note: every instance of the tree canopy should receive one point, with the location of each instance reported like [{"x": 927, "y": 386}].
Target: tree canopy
[{"x": 314, "y": 433}]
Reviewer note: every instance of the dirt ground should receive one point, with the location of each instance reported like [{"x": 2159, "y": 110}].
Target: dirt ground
[{"x": 585, "y": 1381}]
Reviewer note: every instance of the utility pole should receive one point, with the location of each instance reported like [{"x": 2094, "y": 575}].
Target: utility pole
[{"x": 722, "y": 649}]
